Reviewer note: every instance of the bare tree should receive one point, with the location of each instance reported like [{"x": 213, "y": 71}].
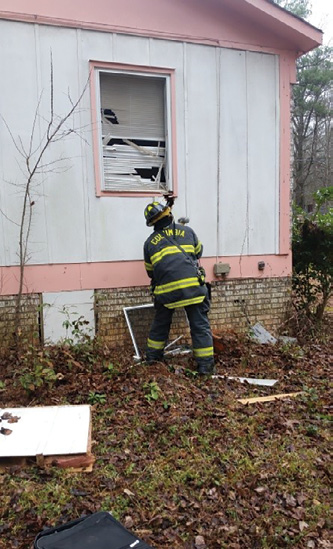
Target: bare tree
[
  {"x": 311, "y": 117},
  {"x": 57, "y": 128}
]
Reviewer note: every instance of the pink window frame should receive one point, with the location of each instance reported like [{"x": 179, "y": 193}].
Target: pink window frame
[{"x": 93, "y": 65}]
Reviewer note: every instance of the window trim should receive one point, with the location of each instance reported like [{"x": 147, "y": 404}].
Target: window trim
[{"x": 95, "y": 68}]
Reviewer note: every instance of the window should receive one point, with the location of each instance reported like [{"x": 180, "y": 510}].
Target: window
[{"x": 134, "y": 131}]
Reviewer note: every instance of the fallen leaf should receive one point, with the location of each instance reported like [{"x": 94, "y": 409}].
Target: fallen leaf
[
  {"x": 13, "y": 419},
  {"x": 128, "y": 522},
  {"x": 260, "y": 489},
  {"x": 5, "y": 431},
  {"x": 302, "y": 525},
  {"x": 199, "y": 542}
]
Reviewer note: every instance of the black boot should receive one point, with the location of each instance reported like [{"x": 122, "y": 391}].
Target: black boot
[{"x": 206, "y": 369}]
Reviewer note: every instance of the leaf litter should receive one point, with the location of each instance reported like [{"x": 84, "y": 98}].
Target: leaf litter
[{"x": 178, "y": 460}]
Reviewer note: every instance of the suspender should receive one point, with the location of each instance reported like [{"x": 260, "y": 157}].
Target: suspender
[{"x": 200, "y": 272}]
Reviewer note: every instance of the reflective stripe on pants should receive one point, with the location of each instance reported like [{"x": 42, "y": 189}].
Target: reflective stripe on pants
[{"x": 201, "y": 335}]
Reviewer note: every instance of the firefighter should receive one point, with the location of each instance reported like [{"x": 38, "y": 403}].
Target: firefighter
[{"x": 171, "y": 256}]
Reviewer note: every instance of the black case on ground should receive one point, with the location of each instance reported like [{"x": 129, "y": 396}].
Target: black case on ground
[{"x": 97, "y": 531}]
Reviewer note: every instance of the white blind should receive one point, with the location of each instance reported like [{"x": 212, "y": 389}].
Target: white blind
[
  {"x": 138, "y": 104},
  {"x": 133, "y": 114}
]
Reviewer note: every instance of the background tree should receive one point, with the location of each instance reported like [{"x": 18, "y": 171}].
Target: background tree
[
  {"x": 313, "y": 257},
  {"x": 301, "y": 8},
  {"x": 311, "y": 117}
]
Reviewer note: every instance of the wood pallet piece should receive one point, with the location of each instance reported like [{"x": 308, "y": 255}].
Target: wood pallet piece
[
  {"x": 75, "y": 462},
  {"x": 270, "y": 398}
]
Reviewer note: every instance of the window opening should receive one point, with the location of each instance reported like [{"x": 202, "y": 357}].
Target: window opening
[{"x": 134, "y": 131}]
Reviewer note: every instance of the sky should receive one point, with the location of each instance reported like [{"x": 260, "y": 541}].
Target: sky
[{"x": 322, "y": 18}]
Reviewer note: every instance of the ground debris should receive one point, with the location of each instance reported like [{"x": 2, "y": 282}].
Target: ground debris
[{"x": 191, "y": 468}]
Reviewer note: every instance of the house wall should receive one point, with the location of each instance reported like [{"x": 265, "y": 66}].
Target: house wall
[
  {"x": 227, "y": 132},
  {"x": 230, "y": 139}
]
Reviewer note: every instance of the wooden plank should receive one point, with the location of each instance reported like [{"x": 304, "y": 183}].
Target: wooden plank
[{"x": 268, "y": 398}]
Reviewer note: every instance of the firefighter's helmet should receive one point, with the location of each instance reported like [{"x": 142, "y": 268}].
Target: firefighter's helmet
[{"x": 155, "y": 211}]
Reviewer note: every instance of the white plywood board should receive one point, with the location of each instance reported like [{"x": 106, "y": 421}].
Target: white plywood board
[
  {"x": 61, "y": 306},
  {"x": 48, "y": 431}
]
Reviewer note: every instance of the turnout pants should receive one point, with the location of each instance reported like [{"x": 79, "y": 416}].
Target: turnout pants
[{"x": 201, "y": 335}]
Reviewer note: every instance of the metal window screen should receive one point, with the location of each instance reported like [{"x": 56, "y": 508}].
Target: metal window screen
[{"x": 139, "y": 319}]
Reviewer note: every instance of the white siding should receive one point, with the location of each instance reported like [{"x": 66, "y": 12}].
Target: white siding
[
  {"x": 233, "y": 187},
  {"x": 201, "y": 137},
  {"x": 262, "y": 153},
  {"x": 249, "y": 134},
  {"x": 227, "y": 146}
]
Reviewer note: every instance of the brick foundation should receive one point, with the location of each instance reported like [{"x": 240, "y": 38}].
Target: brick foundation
[
  {"x": 29, "y": 320},
  {"x": 235, "y": 304},
  {"x": 239, "y": 303}
]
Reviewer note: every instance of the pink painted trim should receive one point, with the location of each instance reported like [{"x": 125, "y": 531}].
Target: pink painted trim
[
  {"x": 125, "y": 274},
  {"x": 285, "y": 159},
  {"x": 174, "y": 21},
  {"x": 96, "y": 151}
]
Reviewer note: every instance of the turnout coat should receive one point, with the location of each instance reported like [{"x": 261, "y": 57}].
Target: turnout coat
[{"x": 171, "y": 260}]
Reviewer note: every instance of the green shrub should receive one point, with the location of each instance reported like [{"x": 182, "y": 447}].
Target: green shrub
[{"x": 312, "y": 256}]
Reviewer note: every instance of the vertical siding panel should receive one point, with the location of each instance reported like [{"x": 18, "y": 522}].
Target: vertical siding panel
[
  {"x": 263, "y": 159},
  {"x": 46, "y": 252},
  {"x": 132, "y": 50},
  {"x": 19, "y": 98},
  {"x": 202, "y": 142},
  {"x": 64, "y": 191},
  {"x": 171, "y": 55},
  {"x": 117, "y": 224},
  {"x": 233, "y": 230},
  {"x": 99, "y": 221},
  {"x": 84, "y": 122}
]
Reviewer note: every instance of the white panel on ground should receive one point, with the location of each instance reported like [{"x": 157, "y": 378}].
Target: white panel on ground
[
  {"x": 68, "y": 308},
  {"x": 47, "y": 431}
]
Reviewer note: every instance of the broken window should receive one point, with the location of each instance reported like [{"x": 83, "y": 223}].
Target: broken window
[{"x": 134, "y": 131}]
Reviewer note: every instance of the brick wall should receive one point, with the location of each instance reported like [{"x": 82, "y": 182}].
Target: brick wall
[
  {"x": 29, "y": 324},
  {"x": 111, "y": 323},
  {"x": 240, "y": 303},
  {"x": 235, "y": 304}
]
